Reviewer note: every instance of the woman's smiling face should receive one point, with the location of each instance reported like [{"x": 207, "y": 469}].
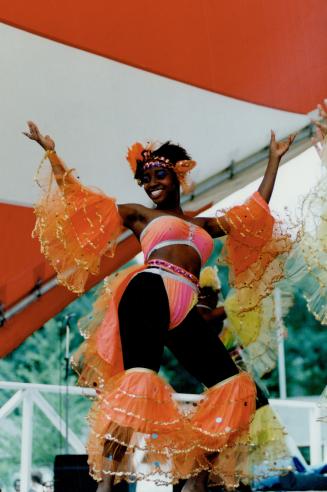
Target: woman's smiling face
[{"x": 161, "y": 185}]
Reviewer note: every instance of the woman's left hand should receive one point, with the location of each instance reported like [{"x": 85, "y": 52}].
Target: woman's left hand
[{"x": 278, "y": 149}]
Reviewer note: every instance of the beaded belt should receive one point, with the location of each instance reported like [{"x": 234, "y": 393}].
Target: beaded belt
[{"x": 171, "y": 267}]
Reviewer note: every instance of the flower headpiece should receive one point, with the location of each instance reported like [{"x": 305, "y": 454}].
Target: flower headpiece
[
  {"x": 139, "y": 156},
  {"x": 209, "y": 278}
]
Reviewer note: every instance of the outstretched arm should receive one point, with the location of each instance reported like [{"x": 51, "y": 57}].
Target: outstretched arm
[
  {"x": 220, "y": 226},
  {"x": 75, "y": 225},
  {"x": 61, "y": 172},
  {"x": 276, "y": 152},
  {"x": 63, "y": 175}
]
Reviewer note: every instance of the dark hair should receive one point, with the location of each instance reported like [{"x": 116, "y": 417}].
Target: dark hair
[
  {"x": 208, "y": 291},
  {"x": 170, "y": 151}
]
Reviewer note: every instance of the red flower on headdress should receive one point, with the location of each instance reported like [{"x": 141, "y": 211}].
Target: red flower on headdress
[{"x": 134, "y": 154}]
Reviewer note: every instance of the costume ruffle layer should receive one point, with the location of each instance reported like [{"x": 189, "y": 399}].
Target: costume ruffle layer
[
  {"x": 268, "y": 453},
  {"x": 225, "y": 411},
  {"x": 259, "y": 454},
  {"x": 306, "y": 267},
  {"x": 256, "y": 331},
  {"x": 135, "y": 410},
  {"x": 76, "y": 226},
  {"x": 139, "y": 432},
  {"x": 255, "y": 250},
  {"x": 100, "y": 356}
]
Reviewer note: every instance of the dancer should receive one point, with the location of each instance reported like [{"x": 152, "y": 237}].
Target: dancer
[{"x": 147, "y": 306}]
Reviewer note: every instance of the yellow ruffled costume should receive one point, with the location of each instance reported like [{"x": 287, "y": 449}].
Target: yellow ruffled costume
[
  {"x": 255, "y": 250},
  {"x": 256, "y": 331}
]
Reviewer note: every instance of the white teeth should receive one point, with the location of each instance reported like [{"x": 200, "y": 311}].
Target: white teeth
[{"x": 156, "y": 193}]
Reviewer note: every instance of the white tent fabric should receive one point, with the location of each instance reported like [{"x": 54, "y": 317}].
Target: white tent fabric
[
  {"x": 294, "y": 180},
  {"x": 95, "y": 108}
]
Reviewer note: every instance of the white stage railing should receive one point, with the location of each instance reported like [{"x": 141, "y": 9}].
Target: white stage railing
[{"x": 28, "y": 395}]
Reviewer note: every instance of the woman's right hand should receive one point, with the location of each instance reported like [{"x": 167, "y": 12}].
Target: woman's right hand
[
  {"x": 46, "y": 142},
  {"x": 278, "y": 149}
]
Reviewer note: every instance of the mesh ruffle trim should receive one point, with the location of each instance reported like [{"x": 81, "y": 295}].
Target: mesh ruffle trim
[
  {"x": 75, "y": 225},
  {"x": 254, "y": 456},
  {"x": 226, "y": 411},
  {"x": 99, "y": 357},
  {"x": 307, "y": 265},
  {"x": 134, "y": 412},
  {"x": 268, "y": 452},
  {"x": 138, "y": 431},
  {"x": 257, "y": 331},
  {"x": 307, "y": 270},
  {"x": 255, "y": 251},
  {"x": 93, "y": 371}
]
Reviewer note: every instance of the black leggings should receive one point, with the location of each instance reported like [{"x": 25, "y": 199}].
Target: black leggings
[{"x": 144, "y": 321}]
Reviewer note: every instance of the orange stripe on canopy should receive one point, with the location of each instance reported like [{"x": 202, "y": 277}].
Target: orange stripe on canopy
[{"x": 272, "y": 53}]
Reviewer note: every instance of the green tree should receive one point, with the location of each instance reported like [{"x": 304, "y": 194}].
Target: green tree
[
  {"x": 305, "y": 353},
  {"x": 40, "y": 359}
]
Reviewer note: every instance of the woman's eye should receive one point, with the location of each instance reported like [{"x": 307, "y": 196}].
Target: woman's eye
[
  {"x": 145, "y": 179},
  {"x": 161, "y": 174}
]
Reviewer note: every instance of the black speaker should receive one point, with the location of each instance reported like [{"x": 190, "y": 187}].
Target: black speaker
[{"x": 71, "y": 474}]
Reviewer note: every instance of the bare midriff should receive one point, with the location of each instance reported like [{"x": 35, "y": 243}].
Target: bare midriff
[{"x": 181, "y": 255}]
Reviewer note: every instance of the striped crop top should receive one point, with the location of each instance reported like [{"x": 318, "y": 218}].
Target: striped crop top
[{"x": 167, "y": 230}]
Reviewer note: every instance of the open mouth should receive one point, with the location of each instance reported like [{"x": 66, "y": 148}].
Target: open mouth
[{"x": 156, "y": 193}]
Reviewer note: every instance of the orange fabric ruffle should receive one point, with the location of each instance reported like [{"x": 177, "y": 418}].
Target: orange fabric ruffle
[
  {"x": 222, "y": 423},
  {"x": 100, "y": 356},
  {"x": 225, "y": 412},
  {"x": 75, "y": 225},
  {"x": 135, "y": 412},
  {"x": 254, "y": 250},
  {"x": 256, "y": 455},
  {"x": 138, "y": 432}
]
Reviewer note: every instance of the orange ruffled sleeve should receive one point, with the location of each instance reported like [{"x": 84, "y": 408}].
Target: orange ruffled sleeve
[
  {"x": 254, "y": 250},
  {"x": 75, "y": 225}
]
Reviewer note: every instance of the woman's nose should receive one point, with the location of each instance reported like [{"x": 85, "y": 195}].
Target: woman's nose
[{"x": 153, "y": 180}]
